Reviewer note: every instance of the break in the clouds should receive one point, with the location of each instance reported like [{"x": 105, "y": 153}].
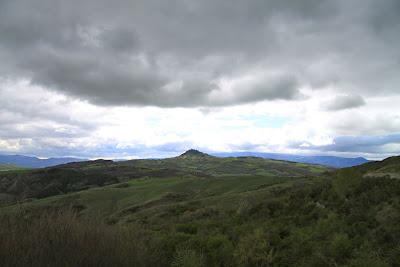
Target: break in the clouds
[{"x": 103, "y": 78}]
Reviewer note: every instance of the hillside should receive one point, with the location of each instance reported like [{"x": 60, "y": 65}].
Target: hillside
[
  {"x": 389, "y": 167},
  {"x": 8, "y": 167},
  {"x": 330, "y": 161},
  {"x": 193, "y": 210},
  {"x": 72, "y": 177}
]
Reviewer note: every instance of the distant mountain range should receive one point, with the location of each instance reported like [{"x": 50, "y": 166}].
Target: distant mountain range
[
  {"x": 34, "y": 162},
  {"x": 330, "y": 161}
]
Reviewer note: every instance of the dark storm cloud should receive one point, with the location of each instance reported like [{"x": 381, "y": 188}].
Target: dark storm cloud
[
  {"x": 345, "y": 102},
  {"x": 173, "y": 53}
]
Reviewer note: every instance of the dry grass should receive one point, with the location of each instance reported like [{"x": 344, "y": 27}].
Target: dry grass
[{"x": 63, "y": 239}]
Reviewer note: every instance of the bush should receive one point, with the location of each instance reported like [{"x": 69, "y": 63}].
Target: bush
[
  {"x": 254, "y": 250},
  {"x": 188, "y": 258}
]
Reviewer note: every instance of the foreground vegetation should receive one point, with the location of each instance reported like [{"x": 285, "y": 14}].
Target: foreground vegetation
[{"x": 345, "y": 218}]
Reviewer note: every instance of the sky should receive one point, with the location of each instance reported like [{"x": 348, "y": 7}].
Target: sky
[{"x": 152, "y": 78}]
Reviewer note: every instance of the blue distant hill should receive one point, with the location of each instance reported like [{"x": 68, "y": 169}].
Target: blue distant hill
[
  {"x": 330, "y": 161},
  {"x": 34, "y": 162}
]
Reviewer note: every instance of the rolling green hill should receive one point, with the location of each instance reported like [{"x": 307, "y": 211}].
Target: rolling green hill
[
  {"x": 197, "y": 210},
  {"x": 389, "y": 167},
  {"x": 73, "y": 177},
  {"x": 8, "y": 167}
]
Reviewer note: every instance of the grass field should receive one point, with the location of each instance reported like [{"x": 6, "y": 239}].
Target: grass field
[
  {"x": 151, "y": 195},
  {"x": 9, "y": 167}
]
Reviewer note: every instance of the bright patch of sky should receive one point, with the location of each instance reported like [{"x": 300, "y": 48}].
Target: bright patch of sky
[{"x": 267, "y": 121}]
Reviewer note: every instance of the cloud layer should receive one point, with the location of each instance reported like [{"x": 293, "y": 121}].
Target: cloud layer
[
  {"x": 189, "y": 53},
  {"x": 98, "y": 77}
]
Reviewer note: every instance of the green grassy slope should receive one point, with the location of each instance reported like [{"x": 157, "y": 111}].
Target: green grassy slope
[
  {"x": 201, "y": 163},
  {"x": 213, "y": 166},
  {"x": 75, "y": 177},
  {"x": 8, "y": 167},
  {"x": 391, "y": 164},
  {"x": 389, "y": 167},
  {"x": 120, "y": 202}
]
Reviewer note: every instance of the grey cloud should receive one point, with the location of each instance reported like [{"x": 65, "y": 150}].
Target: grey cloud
[
  {"x": 29, "y": 116},
  {"x": 357, "y": 123},
  {"x": 345, "y": 102},
  {"x": 49, "y": 147},
  {"x": 17, "y": 107},
  {"x": 170, "y": 53},
  {"x": 273, "y": 88},
  {"x": 119, "y": 39},
  {"x": 379, "y": 144}
]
